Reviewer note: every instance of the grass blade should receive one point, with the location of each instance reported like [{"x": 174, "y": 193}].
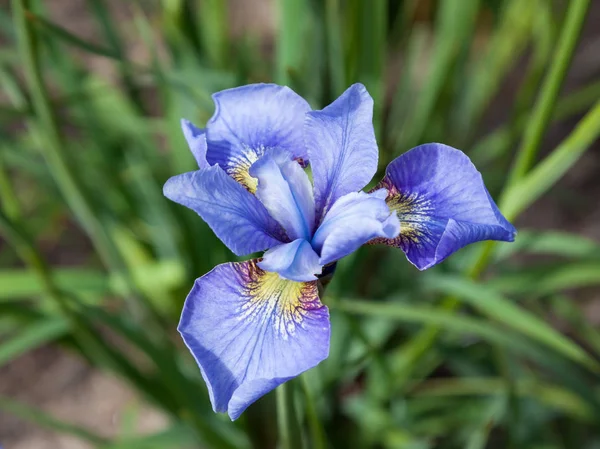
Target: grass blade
[
  {"x": 508, "y": 40},
  {"x": 291, "y": 44},
  {"x": 456, "y": 21},
  {"x": 563, "y": 244},
  {"x": 47, "y": 131},
  {"x": 45, "y": 420},
  {"x": 32, "y": 336},
  {"x": 287, "y": 420},
  {"x": 514, "y": 201},
  {"x": 538, "y": 281},
  {"x": 554, "y": 396},
  {"x": 111, "y": 35},
  {"x": 213, "y": 20},
  {"x": 540, "y": 118},
  {"x": 429, "y": 315},
  {"x": 51, "y": 30},
  {"x": 498, "y": 142},
  {"x": 176, "y": 437},
  {"x": 498, "y": 308},
  {"x": 335, "y": 51},
  {"x": 19, "y": 283},
  {"x": 317, "y": 432},
  {"x": 520, "y": 195},
  {"x": 370, "y": 25}
]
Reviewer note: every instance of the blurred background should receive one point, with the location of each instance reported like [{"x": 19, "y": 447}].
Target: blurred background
[{"x": 498, "y": 347}]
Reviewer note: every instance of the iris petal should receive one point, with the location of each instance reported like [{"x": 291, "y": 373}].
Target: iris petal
[
  {"x": 341, "y": 146},
  {"x": 196, "y": 139},
  {"x": 286, "y": 192},
  {"x": 237, "y": 217},
  {"x": 296, "y": 261},
  {"x": 352, "y": 221},
  {"x": 442, "y": 204},
  {"x": 248, "y": 121},
  {"x": 249, "y": 330}
]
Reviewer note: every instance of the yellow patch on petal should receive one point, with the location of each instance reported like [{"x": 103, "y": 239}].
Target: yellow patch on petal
[
  {"x": 240, "y": 171},
  {"x": 239, "y": 167},
  {"x": 272, "y": 300},
  {"x": 413, "y": 212}
]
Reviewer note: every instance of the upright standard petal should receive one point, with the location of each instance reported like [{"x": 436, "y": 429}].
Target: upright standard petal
[
  {"x": 237, "y": 217},
  {"x": 341, "y": 146},
  {"x": 196, "y": 140},
  {"x": 354, "y": 220},
  {"x": 442, "y": 204},
  {"x": 250, "y": 331},
  {"x": 248, "y": 121},
  {"x": 296, "y": 261},
  {"x": 286, "y": 192}
]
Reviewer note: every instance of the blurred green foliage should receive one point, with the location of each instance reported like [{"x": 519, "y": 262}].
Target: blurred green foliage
[{"x": 438, "y": 359}]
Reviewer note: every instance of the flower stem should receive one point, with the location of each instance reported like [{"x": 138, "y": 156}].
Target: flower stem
[
  {"x": 287, "y": 421},
  {"x": 314, "y": 424},
  {"x": 7, "y": 194}
]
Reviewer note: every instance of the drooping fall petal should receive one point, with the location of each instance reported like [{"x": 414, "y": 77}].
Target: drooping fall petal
[
  {"x": 250, "y": 331},
  {"x": 442, "y": 203}
]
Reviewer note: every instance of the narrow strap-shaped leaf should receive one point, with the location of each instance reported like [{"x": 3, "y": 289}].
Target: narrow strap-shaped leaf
[
  {"x": 555, "y": 396},
  {"x": 498, "y": 308},
  {"x": 22, "y": 283},
  {"x": 46, "y": 420},
  {"x": 432, "y": 316},
  {"x": 455, "y": 23},
  {"x": 545, "y": 279},
  {"x": 287, "y": 419},
  {"x": 318, "y": 439},
  {"x": 335, "y": 52},
  {"x": 53, "y": 30},
  {"x": 445, "y": 320},
  {"x": 523, "y": 193},
  {"x": 515, "y": 199},
  {"x": 540, "y": 118},
  {"x": 498, "y": 142},
  {"x": 557, "y": 243},
  {"x": 507, "y": 41},
  {"x": 31, "y": 337},
  {"x": 175, "y": 437}
]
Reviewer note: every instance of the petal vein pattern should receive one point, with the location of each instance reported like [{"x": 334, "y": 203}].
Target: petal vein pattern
[
  {"x": 254, "y": 325},
  {"x": 196, "y": 140},
  {"x": 236, "y": 216},
  {"x": 442, "y": 203},
  {"x": 296, "y": 261},
  {"x": 286, "y": 192},
  {"x": 353, "y": 220},
  {"x": 340, "y": 141},
  {"x": 250, "y": 121},
  {"x": 251, "y": 330}
]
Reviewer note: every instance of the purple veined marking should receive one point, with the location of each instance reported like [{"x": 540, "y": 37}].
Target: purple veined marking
[{"x": 256, "y": 324}]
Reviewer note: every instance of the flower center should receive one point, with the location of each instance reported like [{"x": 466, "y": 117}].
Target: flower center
[{"x": 285, "y": 190}]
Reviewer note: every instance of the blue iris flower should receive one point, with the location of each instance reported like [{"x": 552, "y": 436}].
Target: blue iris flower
[{"x": 256, "y": 324}]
